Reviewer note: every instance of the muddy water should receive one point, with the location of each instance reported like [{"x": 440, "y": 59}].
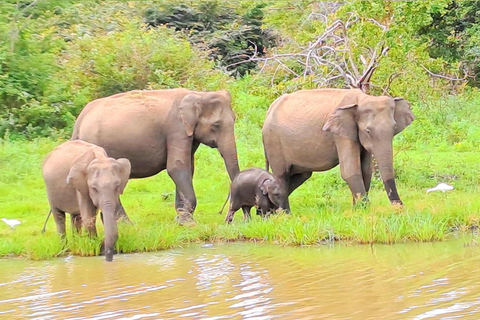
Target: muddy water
[{"x": 248, "y": 281}]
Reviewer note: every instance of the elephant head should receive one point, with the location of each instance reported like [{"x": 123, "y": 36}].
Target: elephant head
[
  {"x": 272, "y": 189},
  {"x": 373, "y": 122},
  {"x": 101, "y": 180},
  {"x": 209, "y": 119}
]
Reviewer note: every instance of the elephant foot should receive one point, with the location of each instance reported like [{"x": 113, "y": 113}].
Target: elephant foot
[
  {"x": 185, "y": 218},
  {"x": 397, "y": 205},
  {"x": 280, "y": 210},
  {"x": 364, "y": 203},
  {"x": 125, "y": 220}
]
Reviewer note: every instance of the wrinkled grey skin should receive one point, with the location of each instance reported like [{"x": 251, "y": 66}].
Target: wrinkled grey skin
[
  {"x": 315, "y": 130},
  {"x": 80, "y": 179},
  {"x": 162, "y": 129},
  {"x": 254, "y": 187}
]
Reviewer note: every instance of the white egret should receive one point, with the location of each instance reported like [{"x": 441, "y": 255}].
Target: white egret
[
  {"x": 441, "y": 187},
  {"x": 11, "y": 222}
]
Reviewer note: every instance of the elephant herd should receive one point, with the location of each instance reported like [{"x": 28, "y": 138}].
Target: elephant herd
[{"x": 137, "y": 134}]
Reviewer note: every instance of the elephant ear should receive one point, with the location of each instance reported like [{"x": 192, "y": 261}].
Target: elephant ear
[
  {"x": 124, "y": 172},
  {"x": 342, "y": 122},
  {"x": 403, "y": 114},
  {"x": 78, "y": 172},
  {"x": 265, "y": 185},
  {"x": 189, "y": 112}
]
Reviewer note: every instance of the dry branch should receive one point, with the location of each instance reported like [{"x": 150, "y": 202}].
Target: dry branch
[
  {"x": 328, "y": 58},
  {"x": 442, "y": 76}
]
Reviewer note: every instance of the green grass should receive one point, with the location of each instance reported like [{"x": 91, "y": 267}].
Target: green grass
[{"x": 322, "y": 209}]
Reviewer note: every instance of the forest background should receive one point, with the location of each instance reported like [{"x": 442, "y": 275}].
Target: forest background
[{"x": 58, "y": 55}]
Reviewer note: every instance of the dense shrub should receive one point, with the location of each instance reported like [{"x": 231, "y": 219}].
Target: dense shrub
[{"x": 48, "y": 76}]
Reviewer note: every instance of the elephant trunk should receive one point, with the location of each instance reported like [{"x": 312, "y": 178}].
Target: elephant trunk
[
  {"x": 111, "y": 230},
  {"x": 228, "y": 149},
  {"x": 385, "y": 164}
]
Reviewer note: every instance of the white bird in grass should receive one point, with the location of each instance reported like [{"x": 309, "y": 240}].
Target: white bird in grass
[
  {"x": 440, "y": 187},
  {"x": 11, "y": 222}
]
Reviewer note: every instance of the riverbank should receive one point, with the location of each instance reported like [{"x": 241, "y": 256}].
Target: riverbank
[{"x": 322, "y": 209}]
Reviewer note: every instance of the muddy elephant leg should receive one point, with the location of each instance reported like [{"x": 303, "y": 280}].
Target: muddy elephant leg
[
  {"x": 297, "y": 179},
  {"x": 367, "y": 169},
  {"x": 246, "y": 213},
  {"x": 76, "y": 222},
  {"x": 350, "y": 167},
  {"x": 59, "y": 217}
]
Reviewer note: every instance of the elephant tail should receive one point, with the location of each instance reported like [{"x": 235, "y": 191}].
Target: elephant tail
[
  {"x": 46, "y": 220},
  {"x": 267, "y": 164},
  {"x": 75, "y": 133},
  {"x": 224, "y": 204}
]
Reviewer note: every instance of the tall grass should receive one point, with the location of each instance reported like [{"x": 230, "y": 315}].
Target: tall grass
[{"x": 322, "y": 209}]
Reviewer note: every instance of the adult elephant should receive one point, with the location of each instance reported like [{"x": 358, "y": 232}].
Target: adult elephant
[
  {"x": 315, "y": 130},
  {"x": 162, "y": 129}
]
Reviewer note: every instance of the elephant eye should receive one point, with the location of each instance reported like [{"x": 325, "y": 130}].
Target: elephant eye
[{"x": 216, "y": 126}]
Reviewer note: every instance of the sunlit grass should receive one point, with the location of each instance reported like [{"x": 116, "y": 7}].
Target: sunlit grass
[{"x": 321, "y": 208}]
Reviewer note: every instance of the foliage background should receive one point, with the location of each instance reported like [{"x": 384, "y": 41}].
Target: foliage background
[{"x": 56, "y": 56}]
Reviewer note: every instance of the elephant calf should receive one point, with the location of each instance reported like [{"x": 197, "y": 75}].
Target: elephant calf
[
  {"x": 254, "y": 187},
  {"x": 80, "y": 179}
]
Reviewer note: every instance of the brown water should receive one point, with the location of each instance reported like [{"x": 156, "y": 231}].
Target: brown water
[{"x": 248, "y": 281}]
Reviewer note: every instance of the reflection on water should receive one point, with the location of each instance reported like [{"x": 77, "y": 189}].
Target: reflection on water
[{"x": 248, "y": 281}]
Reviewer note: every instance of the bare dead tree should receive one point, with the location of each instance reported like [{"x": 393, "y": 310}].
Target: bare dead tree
[
  {"x": 329, "y": 58},
  {"x": 332, "y": 59}
]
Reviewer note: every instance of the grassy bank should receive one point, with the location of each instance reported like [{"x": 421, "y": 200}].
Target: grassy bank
[{"x": 322, "y": 209}]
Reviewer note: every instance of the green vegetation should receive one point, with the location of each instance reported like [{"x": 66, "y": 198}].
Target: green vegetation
[{"x": 55, "y": 56}]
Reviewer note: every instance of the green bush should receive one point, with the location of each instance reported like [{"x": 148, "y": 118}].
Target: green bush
[{"x": 231, "y": 37}]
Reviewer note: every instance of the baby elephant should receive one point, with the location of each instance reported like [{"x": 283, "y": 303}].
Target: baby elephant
[
  {"x": 81, "y": 179},
  {"x": 254, "y": 187}
]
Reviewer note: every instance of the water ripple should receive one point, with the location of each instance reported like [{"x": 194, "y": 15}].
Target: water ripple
[{"x": 255, "y": 282}]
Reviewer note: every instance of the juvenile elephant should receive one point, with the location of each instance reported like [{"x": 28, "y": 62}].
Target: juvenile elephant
[
  {"x": 162, "y": 129},
  {"x": 80, "y": 179},
  {"x": 315, "y": 130},
  {"x": 254, "y": 187}
]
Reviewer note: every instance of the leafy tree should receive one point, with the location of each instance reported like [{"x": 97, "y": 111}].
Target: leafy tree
[
  {"x": 454, "y": 35},
  {"x": 231, "y": 37}
]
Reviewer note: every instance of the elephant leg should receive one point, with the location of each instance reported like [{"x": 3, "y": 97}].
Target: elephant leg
[
  {"x": 367, "y": 169},
  {"x": 120, "y": 213},
  {"x": 88, "y": 213},
  {"x": 284, "y": 183},
  {"x": 76, "y": 222},
  {"x": 59, "y": 217},
  {"x": 297, "y": 179},
  {"x": 350, "y": 166},
  {"x": 231, "y": 212},
  {"x": 280, "y": 167},
  {"x": 179, "y": 168},
  {"x": 246, "y": 213},
  {"x": 185, "y": 200}
]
